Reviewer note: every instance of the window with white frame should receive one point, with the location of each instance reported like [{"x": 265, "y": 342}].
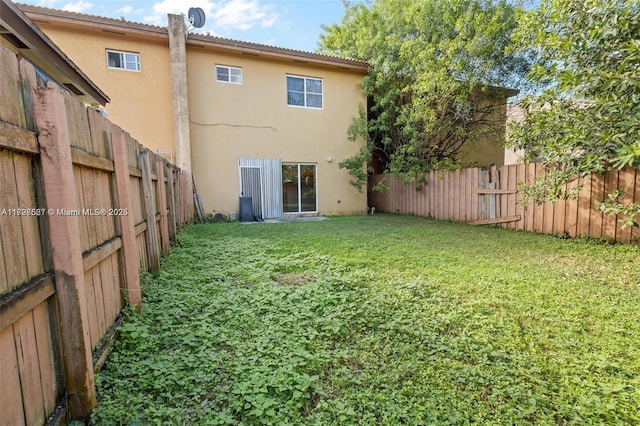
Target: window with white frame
[
  {"x": 304, "y": 91},
  {"x": 227, "y": 74},
  {"x": 123, "y": 60}
]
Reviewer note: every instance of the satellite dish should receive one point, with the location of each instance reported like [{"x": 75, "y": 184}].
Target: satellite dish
[{"x": 196, "y": 17}]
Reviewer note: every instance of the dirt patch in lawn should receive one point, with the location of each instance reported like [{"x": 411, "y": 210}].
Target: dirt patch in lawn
[{"x": 293, "y": 278}]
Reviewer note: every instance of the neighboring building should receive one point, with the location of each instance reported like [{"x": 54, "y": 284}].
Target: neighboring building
[
  {"x": 263, "y": 121},
  {"x": 515, "y": 114},
  {"x": 489, "y": 148},
  {"x": 482, "y": 146}
]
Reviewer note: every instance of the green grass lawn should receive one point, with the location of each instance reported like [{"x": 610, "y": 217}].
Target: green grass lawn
[{"x": 380, "y": 320}]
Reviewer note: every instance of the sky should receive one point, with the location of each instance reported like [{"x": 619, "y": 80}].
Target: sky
[{"x": 293, "y": 24}]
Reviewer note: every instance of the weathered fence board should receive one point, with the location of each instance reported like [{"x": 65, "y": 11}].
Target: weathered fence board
[
  {"x": 25, "y": 185},
  {"x": 10, "y": 401},
  {"x": 10, "y": 93},
  {"x": 127, "y": 231},
  {"x": 44, "y": 347},
  {"x": 28, "y": 364},
  {"x": 15, "y": 264},
  {"x": 150, "y": 212},
  {"x": 611, "y": 183},
  {"x": 626, "y": 180},
  {"x": 491, "y": 197},
  {"x": 57, "y": 169}
]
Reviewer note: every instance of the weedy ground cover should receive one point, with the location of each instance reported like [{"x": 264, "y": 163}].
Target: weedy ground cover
[{"x": 381, "y": 320}]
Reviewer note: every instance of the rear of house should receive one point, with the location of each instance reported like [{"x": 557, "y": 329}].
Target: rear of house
[
  {"x": 264, "y": 122},
  {"x": 273, "y": 128}
]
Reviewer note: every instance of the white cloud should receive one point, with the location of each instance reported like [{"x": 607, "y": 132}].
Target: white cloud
[
  {"x": 79, "y": 6},
  {"x": 129, "y": 13},
  {"x": 244, "y": 15},
  {"x": 161, "y": 9},
  {"x": 154, "y": 19},
  {"x": 225, "y": 14},
  {"x": 44, "y": 3},
  {"x": 270, "y": 20},
  {"x": 124, "y": 10}
]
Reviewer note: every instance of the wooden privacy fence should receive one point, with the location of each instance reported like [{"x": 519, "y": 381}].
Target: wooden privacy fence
[
  {"x": 490, "y": 196},
  {"x": 83, "y": 207}
]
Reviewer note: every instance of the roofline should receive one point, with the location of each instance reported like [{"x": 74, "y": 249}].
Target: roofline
[
  {"x": 46, "y": 55},
  {"x": 47, "y": 15},
  {"x": 255, "y": 49},
  {"x": 507, "y": 91},
  {"x": 39, "y": 13}
]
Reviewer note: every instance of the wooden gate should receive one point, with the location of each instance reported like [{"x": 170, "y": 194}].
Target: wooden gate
[{"x": 490, "y": 195}]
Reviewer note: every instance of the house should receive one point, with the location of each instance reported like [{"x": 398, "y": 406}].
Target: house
[{"x": 247, "y": 119}]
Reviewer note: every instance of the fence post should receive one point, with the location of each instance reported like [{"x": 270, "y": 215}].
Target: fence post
[
  {"x": 64, "y": 233},
  {"x": 177, "y": 198},
  {"x": 162, "y": 204},
  {"x": 172, "y": 204},
  {"x": 183, "y": 197},
  {"x": 189, "y": 202},
  {"x": 130, "y": 259},
  {"x": 152, "y": 234}
]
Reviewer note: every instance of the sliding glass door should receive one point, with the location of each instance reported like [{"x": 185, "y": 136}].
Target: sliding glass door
[{"x": 299, "y": 193}]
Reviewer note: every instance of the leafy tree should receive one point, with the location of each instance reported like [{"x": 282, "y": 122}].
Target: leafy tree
[
  {"x": 588, "y": 118},
  {"x": 433, "y": 64}
]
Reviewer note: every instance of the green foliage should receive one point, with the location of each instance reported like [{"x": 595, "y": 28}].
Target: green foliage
[
  {"x": 383, "y": 320},
  {"x": 549, "y": 187},
  {"x": 432, "y": 66},
  {"x": 628, "y": 212},
  {"x": 588, "y": 119}
]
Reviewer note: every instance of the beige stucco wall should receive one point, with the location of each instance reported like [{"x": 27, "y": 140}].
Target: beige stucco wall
[
  {"x": 140, "y": 101},
  {"x": 230, "y": 121},
  {"x": 515, "y": 114},
  {"x": 488, "y": 149}
]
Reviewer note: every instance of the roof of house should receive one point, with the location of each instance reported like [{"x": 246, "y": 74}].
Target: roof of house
[
  {"x": 123, "y": 27},
  {"x": 27, "y": 39},
  {"x": 506, "y": 92}
]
